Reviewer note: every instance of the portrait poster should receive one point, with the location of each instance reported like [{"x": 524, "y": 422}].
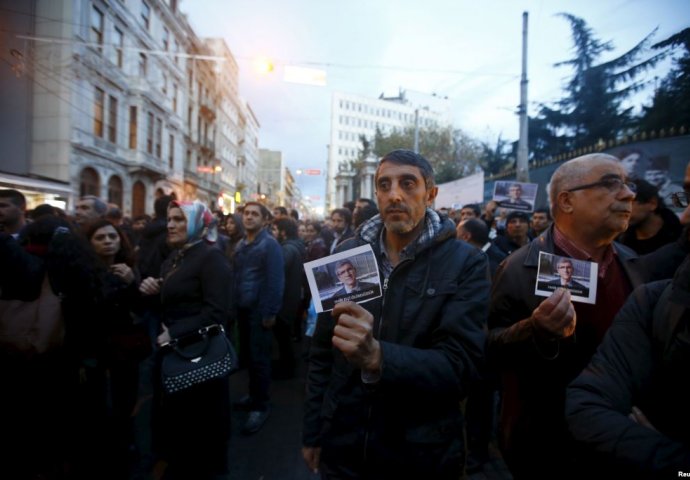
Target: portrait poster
[
  {"x": 578, "y": 276},
  {"x": 515, "y": 195},
  {"x": 352, "y": 275}
]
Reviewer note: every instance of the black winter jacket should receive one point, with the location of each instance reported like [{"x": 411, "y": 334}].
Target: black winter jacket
[
  {"x": 431, "y": 325},
  {"x": 644, "y": 362}
]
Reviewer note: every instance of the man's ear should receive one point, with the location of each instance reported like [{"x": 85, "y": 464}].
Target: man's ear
[
  {"x": 564, "y": 201},
  {"x": 431, "y": 195}
]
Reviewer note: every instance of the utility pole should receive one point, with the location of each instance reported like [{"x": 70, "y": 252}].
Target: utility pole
[
  {"x": 416, "y": 130},
  {"x": 522, "y": 160}
]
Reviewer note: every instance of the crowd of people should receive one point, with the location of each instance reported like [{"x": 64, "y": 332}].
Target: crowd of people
[{"x": 457, "y": 350}]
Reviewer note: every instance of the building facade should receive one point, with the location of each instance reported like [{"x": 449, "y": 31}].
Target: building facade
[
  {"x": 121, "y": 99},
  {"x": 354, "y": 116}
]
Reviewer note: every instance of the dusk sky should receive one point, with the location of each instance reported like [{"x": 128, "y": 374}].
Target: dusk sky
[{"x": 468, "y": 51}]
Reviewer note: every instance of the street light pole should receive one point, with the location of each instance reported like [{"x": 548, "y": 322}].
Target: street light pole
[
  {"x": 522, "y": 154},
  {"x": 416, "y": 130}
]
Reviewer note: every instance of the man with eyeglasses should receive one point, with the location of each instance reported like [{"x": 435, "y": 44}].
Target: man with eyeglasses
[
  {"x": 630, "y": 404},
  {"x": 540, "y": 345}
]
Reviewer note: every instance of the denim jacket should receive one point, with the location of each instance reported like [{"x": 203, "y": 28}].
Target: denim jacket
[{"x": 259, "y": 274}]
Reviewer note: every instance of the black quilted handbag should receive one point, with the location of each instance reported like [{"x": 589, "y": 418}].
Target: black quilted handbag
[{"x": 197, "y": 358}]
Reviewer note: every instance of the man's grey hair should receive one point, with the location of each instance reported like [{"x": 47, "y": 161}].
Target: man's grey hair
[
  {"x": 572, "y": 173},
  {"x": 99, "y": 205},
  {"x": 344, "y": 262}
]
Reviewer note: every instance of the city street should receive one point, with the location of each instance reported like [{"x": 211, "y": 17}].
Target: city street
[{"x": 274, "y": 452}]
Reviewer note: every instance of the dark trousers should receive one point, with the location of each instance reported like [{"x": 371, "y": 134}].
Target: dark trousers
[
  {"x": 255, "y": 355},
  {"x": 192, "y": 429},
  {"x": 283, "y": 334}
]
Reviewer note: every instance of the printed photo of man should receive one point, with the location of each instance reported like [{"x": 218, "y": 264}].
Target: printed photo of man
[
  {"x": 565, "y": 270},
  {"x": 352, "y": 288},
  {"x": 514, "y": 200}
]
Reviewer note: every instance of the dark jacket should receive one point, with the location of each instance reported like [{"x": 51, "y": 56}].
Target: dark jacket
[
  {"x": 431, "y": 333},
  {"x": 196, "y": 290},
  {"x": 153, "y": 248},
  {"x": 259, "y": 274},
  {"x": 316, "y": 249},
  {"x": 347, "y": 234},
  {"x": 536, "y": 371},
  {"x": 644, "y": 362},
  {"x": 662, "y": 263},
  {"x": 293, "y": 254},
  {"x": 668, "y": 233}
]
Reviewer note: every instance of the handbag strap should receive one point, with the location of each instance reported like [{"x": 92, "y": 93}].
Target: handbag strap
[{"x": 200, "y": 335}]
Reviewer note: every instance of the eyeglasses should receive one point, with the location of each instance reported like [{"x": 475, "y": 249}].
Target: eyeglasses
[
  {"x": 679, "y": 199},
  {"x": 612, "y": 184}
]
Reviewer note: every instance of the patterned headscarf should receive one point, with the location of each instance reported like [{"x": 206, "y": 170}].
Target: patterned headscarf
[{"x": 201, "y": 223}]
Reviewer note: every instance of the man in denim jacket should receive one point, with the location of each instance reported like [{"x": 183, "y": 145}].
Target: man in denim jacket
[{"x": 259, "y": 284}]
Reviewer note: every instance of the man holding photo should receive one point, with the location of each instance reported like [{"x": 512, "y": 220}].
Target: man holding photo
[
  {"x": 386, "y": 377},
  {"x": 532, "y": 339}
]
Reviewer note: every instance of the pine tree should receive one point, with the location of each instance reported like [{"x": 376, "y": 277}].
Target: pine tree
[
  {"x": 592, "y": 108},
  {"x": 671, "y": 102}
]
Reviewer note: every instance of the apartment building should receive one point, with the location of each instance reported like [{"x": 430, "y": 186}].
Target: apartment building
[{"x": 354, "y": 116}]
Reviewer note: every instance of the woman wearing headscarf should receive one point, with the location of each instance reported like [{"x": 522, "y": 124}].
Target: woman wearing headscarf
[{"x": 191, "y": 427}]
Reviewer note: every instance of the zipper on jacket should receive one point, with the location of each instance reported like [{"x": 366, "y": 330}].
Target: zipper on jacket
[{"x": 378, "y": 336}]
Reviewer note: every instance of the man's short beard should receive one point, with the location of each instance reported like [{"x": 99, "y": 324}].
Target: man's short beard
[{"x": 400, "y": 226}]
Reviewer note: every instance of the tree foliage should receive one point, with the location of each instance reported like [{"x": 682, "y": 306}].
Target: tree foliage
[
  {"x": 452, "y": 153},
  {"x": 671, "y": 102},
  {"x": 593, "y": 105}
]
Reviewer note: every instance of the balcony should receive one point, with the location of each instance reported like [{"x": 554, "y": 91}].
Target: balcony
[
  {"x": 207, "y": 110},
  {"x": 208, "y": 147}
]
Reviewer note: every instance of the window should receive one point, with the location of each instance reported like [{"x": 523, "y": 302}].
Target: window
[
  {"x": 133, "y": 128},
  {"x": 176, "y": 50},
  {"x": 171, "y": 150},
  {"x": 146, "y": 15},
  {"x": 98, "y": 107},
  {"x": 174, "y": 98},
  {"x": 89, "y": 183},
  {"x": 166, "y": 39},
  {"x": 143, "y": 66},
  {"x": 97, "y": 28},
  {"x": 112, "y": 119},
  {"x": 159, "y": 136},
  {"x": 149, "y": 133},
  {"x": 165, "y": 85},
  {"x": 119, "y": 41},
  {"x": 138, "y": 198},
  {"x": 115, "y": 190}
]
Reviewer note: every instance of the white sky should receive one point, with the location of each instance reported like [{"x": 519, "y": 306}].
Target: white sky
[{"x": 469, "y": 51}]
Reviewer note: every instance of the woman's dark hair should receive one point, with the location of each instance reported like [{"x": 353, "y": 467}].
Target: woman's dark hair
[
  {"x": 239, "y": 227},
  {"x": 126, "y": 252},
  {"x": 73, "y": 267},
  {"x": 287, "y": 225},
  {"x": 316, "y": 225}
]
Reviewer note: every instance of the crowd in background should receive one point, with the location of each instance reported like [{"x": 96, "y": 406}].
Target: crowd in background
[{"x": 126, "y": 285}]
